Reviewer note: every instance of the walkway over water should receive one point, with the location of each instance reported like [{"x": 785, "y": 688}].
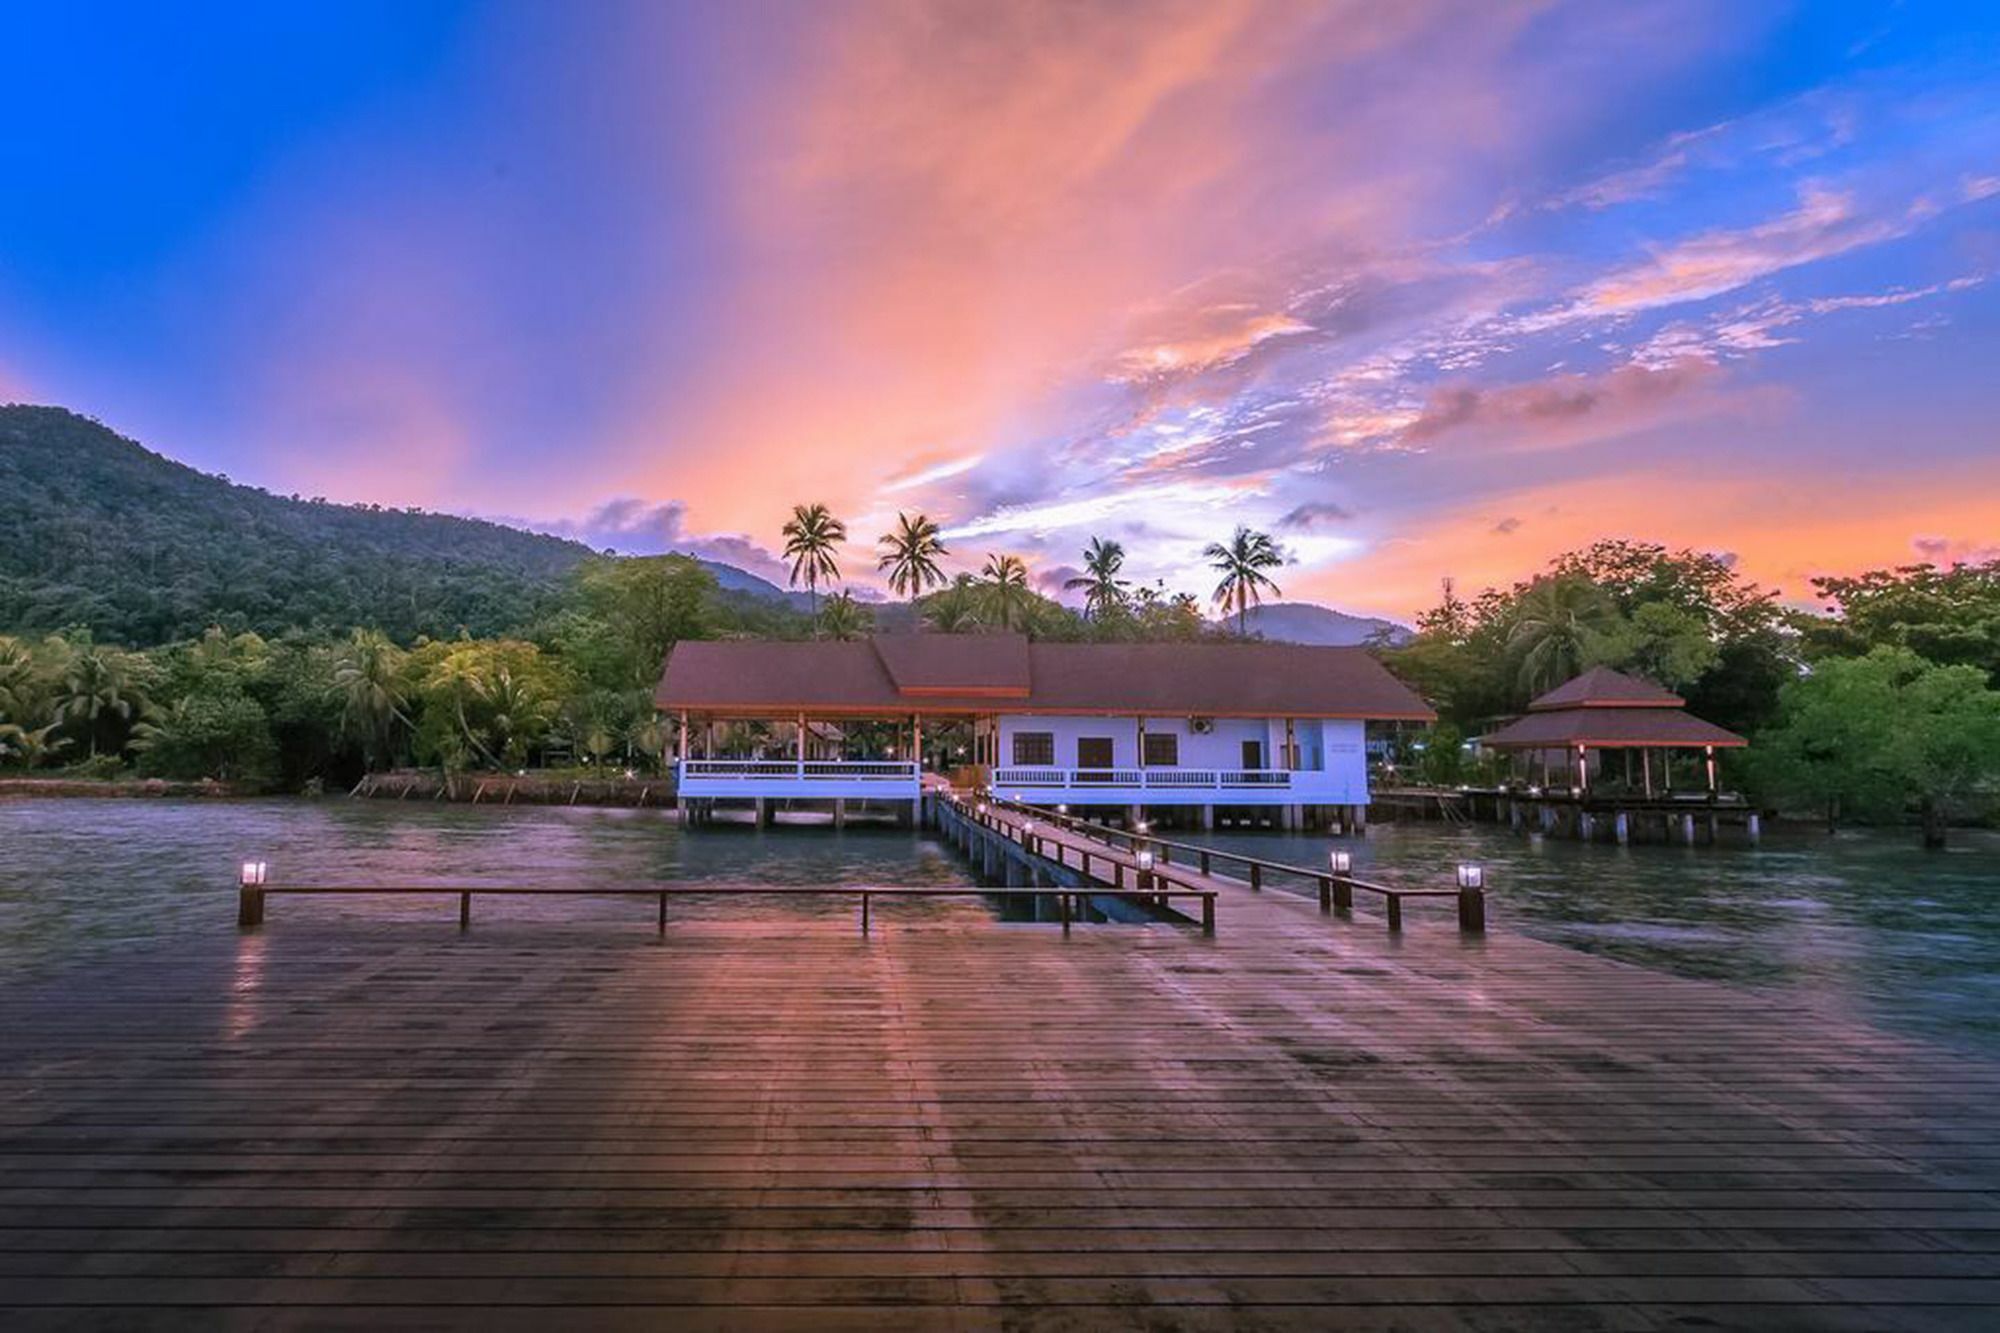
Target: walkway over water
[{"x": 957, "y": 1124}]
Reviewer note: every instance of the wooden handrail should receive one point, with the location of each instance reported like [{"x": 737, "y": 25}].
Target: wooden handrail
[
  {"x": 250, "y": 903},
  {"x": 1336, "y": 892}
]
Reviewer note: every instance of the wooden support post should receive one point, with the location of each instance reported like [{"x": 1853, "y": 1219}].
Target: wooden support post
[
  {"x": 1063, "y": 899},
  {"x": 1395, "y": 912},
  {"x": 1325, "y": 893},
  {"x": 1621, "y": 826},
  {"x": 249, "y": 906},
  {"x": 1753, "y": 824},
  {"x": 663, "y": 913},
  {"x": 1343, "y": 898},
  {"x": 1203, "y": 856},
  {"x": 1208, "y": 914},
  {"x": 1256, "y": 875},
  {"x": 864, "y": 914},
  {"x": 465, "y": 911}
]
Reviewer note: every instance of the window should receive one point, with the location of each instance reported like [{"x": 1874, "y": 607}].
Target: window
[
  {"x": 1093, "y": 752},
  {"x": 1034, "y": 748},
  {"x": 1162, "y": 751},
  {"x": 1253, "y": 755}
]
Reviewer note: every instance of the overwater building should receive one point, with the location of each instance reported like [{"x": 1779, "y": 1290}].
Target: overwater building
[{"x": 1202, "y": 728}]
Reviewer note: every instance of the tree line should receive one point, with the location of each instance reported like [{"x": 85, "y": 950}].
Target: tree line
[{"x": 1880, "y": 703}]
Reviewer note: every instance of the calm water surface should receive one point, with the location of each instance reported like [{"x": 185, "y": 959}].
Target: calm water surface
[
  {"x": 1863, "y": 920},
  {"x": 1866, "y": 922},
  {"x": 81, "y": 876}
]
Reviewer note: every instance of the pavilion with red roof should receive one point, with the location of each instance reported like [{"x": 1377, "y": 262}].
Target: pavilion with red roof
[{"x": 1573, "y": 727}]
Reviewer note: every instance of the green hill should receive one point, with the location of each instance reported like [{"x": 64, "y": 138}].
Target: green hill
[{"x": 104, "y": 533}]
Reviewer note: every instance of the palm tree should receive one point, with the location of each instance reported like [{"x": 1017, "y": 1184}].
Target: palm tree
[
  {"x": 32, "y": 746},
  {"x": 1559, "y": 624},
  {"x": 99, "y": 684},
  {"x": 1104, "y": 591},
  {"x": 367, "y": 683},
  {"x": 957, "y": 609},
  {"x": 1242, "y": 564},
  {"x": 910, "y": 555},
  {"x": 844, "y": 618},
  {"x": 1006, "y": 593},
  {"x": 810, "y": 539}
]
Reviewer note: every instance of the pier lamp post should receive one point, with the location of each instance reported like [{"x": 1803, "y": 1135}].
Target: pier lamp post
[
  {"x": 1027, "y": 835},
  {"x": 1146, "y": 868},
  {"x": 1340, "y": 861},
  {"x": 250, "y": 894},
  {"x": 1471, "y": 898}
]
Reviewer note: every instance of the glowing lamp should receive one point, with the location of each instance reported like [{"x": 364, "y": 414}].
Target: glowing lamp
[
  {"x": 254, "y": 874},
  {"x": 1471, "y": 876},
  {"x": 1146, "y": 860},
  {"x": 1340, "y": 860}
]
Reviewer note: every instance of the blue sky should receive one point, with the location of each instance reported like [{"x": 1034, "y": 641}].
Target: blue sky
[{"x": 1432, "y": 290}]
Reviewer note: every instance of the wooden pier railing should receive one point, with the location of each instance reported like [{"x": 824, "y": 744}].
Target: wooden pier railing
[
  {"x": 253, "y": 889},
  {"x": 1336, "y": 891}
]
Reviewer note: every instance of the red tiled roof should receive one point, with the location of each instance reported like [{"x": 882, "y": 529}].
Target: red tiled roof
[
  {"x": 1608, "y": 727},
  {"x": 1601, "y": 687},
  {"x": 1004, "y": 672}
]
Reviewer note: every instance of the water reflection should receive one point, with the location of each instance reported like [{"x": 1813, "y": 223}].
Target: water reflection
[
  {"x": 1865, "y": 921},
  {"x": 1868, "y": 922}
]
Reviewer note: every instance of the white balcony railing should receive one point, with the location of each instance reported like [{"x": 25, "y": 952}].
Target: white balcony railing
[
  {"x": 1154, "y": 779},
  {"x": 792, "y": 770}
]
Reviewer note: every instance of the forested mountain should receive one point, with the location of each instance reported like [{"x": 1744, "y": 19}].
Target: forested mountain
[
  {"x": 103, "y": 533},
  {"x": 1307, "y": 622}
]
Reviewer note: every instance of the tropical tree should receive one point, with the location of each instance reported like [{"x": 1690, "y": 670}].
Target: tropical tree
[
  {"x": 102, "y": 685},
  {"x": 909, "y": 555},
  {"x": 368, "y": 685},
  {"x": 32, "y": 747},
  {"x": 811, "y": 538},
  {"x": 1006, "y": 594},
  {"x": 844, "y": 618},
  {"x": 1561, "y": 624},
  {"x": 958, "y": 609},
  {"x": 1242, "y": 563},
  {"x": 1103, "y": 590},
  {"x": 1874, "y": 735}
]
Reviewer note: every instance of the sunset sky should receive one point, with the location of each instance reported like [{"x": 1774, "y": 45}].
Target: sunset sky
[{"x": 1423, "y": 289}]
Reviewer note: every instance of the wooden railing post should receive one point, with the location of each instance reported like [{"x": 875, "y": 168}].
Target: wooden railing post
[
  {"x": 663, "y": 913},
  {"x": 864, "y": 914},
  {"x": 1063, "y": 898},
  {"x": 1257, "y": 875},
  {"x": 1325, "y": 893},
  {"x": 1395, "y": 911},
  {"x": 249, "y": 906},
  {"x": 1208, "y": 914},
  {"x": 465, "y": 911},
  {"x": 1343, "y": 898},
  {"x": 1204, "y": 860}
]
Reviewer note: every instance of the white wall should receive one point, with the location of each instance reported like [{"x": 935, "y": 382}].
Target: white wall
[{"x": 1334, "y": 745}]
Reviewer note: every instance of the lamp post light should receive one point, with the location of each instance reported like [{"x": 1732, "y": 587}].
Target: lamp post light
[
  {"x": 1145, "y": 859},
  {"x": 1340, "y": 861},
  {"x": 254, "y": 874},
  {"x": 1471, "y": 898}
]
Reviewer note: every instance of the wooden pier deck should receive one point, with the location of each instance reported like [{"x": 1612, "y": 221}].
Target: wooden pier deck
[{"x": 953, "y": 1124}]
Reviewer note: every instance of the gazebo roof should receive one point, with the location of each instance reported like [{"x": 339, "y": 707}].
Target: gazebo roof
[
  {"x": 1601, "y": 687},
  {"x": 1603, "y": 708},
  {"x": 1609, "y": 728}
]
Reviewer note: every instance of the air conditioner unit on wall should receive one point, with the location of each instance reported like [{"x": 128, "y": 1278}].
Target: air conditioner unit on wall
[{"x": 1201, "y": 726}]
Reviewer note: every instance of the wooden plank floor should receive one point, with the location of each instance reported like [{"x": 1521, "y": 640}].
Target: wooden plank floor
[{"x": 1300, "y": 1123}]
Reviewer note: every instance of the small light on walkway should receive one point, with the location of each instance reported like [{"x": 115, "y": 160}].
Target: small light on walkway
[
  {"x": 1142, "y": 827},
  {"x": 1340, "y": 860},
  {"x": 1146, "y": 860},
  {"x": 1471, "y": 876},
  {"x": 254, "y": 873},
  {"x": 1062, "y": 809}
]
